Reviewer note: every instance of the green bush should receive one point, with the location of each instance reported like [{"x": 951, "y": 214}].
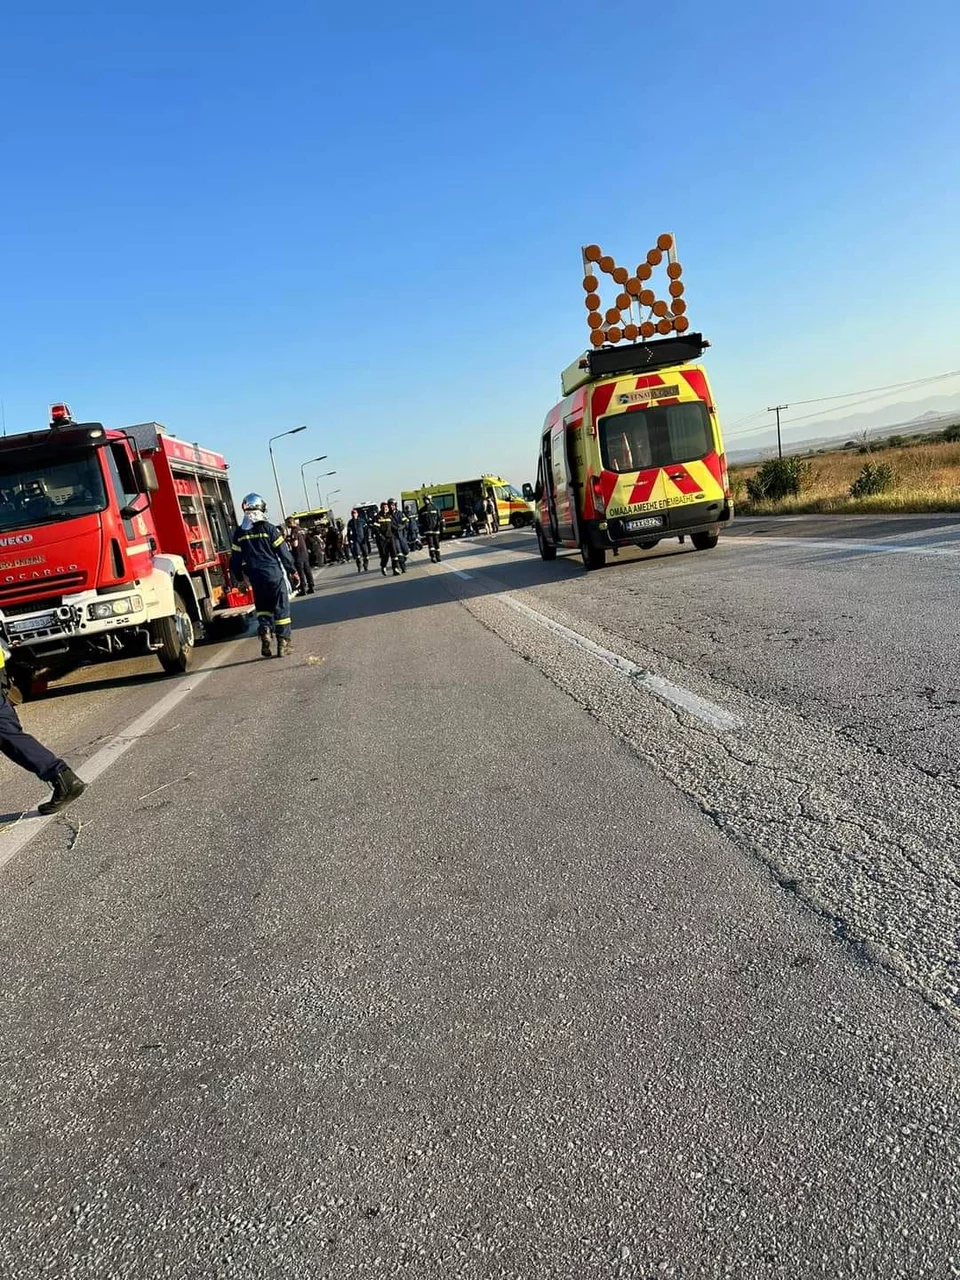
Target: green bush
[
  {"x": 895, "y": 442},
  {"x": 951, "y": 434},
  {"x": 874, "y": 477},
  {"x": 779, "y": 478}
]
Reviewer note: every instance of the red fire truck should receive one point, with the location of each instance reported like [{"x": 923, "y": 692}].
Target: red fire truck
[{"x": 113, "y": 543}]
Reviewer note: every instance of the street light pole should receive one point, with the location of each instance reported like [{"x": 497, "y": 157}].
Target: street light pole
[
  {"x": 319, "y": 478},
  {"x": 273, "y": 463},
  {"x": 776, "y": 409},
  {"x": 303, "y": 478}
]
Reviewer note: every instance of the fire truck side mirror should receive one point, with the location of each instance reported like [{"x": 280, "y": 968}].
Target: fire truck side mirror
[
  {"x": 537, "y": 493},
  {"x": 146, "y": 475},
  {"x": 529, "y": 493}
]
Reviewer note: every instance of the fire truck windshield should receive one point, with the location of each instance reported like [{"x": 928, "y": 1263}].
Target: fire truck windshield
[{"x": 38, "y": 489}]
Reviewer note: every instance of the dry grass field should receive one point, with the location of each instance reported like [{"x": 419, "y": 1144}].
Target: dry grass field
[{"x": 926, "y": 477}]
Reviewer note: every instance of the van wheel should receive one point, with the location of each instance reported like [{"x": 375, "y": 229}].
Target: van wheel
[
  {"x": 593, "y": 557},
  {"x": 704, "y": 541},
  {"x": 176, "y": 636},
  {"x": 547, "y": 550},
  {"x": 516, "y": 521}
]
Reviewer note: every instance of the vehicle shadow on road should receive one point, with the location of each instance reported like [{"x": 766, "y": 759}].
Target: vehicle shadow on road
[
  {"x": 74, "y": 684},
  {"x": 349, "y": 597}
]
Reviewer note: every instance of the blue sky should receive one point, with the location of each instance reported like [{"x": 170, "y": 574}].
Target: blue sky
[{"x": 368, "y": 218}]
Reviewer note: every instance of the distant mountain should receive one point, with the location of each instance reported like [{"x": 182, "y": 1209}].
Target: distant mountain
[{"x": 919, "y": 417}]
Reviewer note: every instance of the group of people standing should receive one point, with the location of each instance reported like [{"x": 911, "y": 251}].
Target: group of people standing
[
  {"x": 274, "y": 561},
  {"x": 315, "y": 546},
  {"x": 395, "y": 534},
  {"x": 483, "y": 516}
]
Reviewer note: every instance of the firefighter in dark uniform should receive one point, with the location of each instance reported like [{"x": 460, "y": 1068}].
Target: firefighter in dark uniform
[
  {"x": 301, "y": 558},
  {"x": 261, "y": 555},
  {"x": 431, "y": 524},
  {"x": 386, "y": 540},
  {"x": 358, "y": 540},
  {"x": 31, "y": 755}
]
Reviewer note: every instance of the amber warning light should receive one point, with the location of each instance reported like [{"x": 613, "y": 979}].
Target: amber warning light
[{"x": 639, "y": 312}]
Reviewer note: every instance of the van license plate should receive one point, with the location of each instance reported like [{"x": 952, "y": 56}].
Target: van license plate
[{"x": 646, "y": 522}]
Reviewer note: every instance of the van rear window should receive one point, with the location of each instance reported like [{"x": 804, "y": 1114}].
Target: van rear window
[
  {"x": 655, "y": 437},
  {"x": 443, "y": 501}
]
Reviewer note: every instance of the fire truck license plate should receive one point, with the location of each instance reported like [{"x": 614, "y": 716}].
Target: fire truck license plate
[
  {"x": 39, "y": 622},
  {"x": 647, "y": 522}
]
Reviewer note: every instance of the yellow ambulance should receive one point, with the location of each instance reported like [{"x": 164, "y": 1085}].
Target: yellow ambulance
[{"x": 458, "y": 497}]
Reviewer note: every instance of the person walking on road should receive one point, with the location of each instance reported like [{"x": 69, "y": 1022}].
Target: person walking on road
[
  {"x": 32, "y": 755},
  {"x": 389, "y": 528},
  {"x": 301, "y": 558},
  {"x": 431, "y": 524},
  {"x": 399, "y": 524},
  {"x": 261, "y": 555},
  {"x": 358, "y": 540},
  {"x": 489, "y": 515}
]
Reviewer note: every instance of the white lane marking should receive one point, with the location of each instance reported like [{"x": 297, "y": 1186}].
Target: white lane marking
[
  {"x": 19, "y": 834},
  {"x": 460, "y": 573},
  {"x": 675, "y": 694},
  {"x": 824, "y": 544}
]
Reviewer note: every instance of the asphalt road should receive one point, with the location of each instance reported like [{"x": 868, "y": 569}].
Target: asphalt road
[{"x": 525, "y": 923}]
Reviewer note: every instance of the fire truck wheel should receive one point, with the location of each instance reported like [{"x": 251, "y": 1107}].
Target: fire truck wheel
[
  {"x": 593, "y": 557},
  {"x": 547, "y": 550},
  {"x": 705, "y": 541},
  {"x": 176, "y": 636}
]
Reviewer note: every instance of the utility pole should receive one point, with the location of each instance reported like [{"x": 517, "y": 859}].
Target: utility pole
[{"x": 776, "y": 409}]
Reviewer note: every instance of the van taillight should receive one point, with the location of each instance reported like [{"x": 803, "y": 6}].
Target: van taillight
[
  {"x": 596, "y": 483},
  {"x": 724, "y": 476}
]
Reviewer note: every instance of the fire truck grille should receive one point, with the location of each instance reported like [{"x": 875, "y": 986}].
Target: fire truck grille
[
  {"x": 49, "y": 591},
  {"x": 15, "y": 610}
]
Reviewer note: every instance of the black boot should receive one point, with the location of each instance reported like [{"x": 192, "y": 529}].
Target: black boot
[
  {"x": 266, "y": 650},
  {"x": 284, "y": 646},
  {"x": 66, "y": 788}
]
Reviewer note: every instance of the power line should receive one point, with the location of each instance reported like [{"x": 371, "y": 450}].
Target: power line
[
  {"x": 868, "y": 391},
  {"x": 869, "y": 398}
]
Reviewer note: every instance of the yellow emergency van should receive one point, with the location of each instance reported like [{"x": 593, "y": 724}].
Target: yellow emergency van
[
  {"x": 458, "y": 497},
  {"x": 633, "y": 452}
]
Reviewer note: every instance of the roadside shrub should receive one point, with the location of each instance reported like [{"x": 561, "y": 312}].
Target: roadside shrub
[
  {"x": 895, "y": 442},
  {"x": 779, "y": 478},
  {"x": 951, "y": 434},
  {"x": 874, "y": 477}
]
